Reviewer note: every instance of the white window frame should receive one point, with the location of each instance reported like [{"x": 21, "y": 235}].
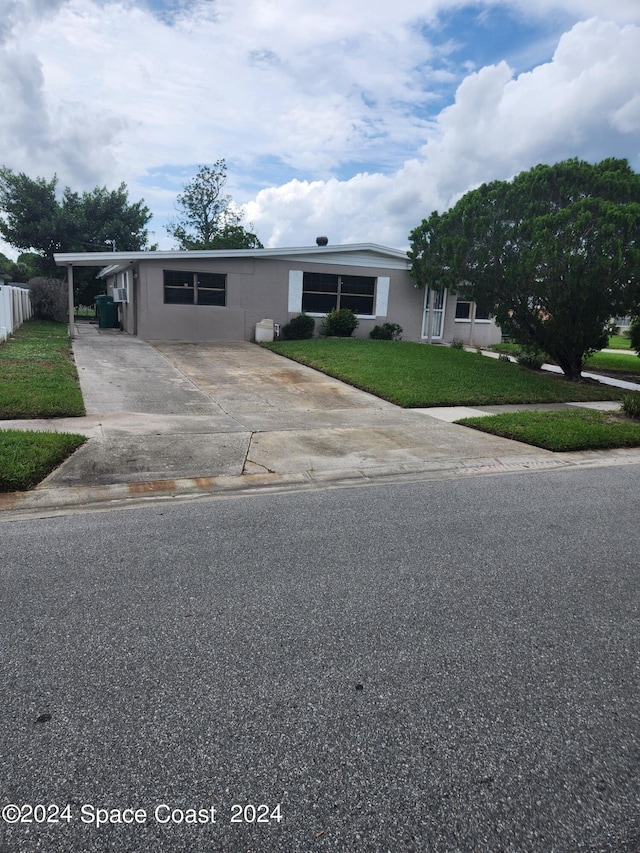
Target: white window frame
[{"x": 472, "y": 312}]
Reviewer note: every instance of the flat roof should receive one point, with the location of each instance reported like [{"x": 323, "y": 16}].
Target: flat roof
[{"x": 114, "y": 261}]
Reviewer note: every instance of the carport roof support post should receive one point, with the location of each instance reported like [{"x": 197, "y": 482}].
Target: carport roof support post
[{"x": 70, "y": 296}]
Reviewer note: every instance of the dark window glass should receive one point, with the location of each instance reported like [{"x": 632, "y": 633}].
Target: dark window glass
[
  {"x": 358, "y": 304},
  {"x": 318, "y": 303},
  {"x": 189, "y": 288},
  {"x": 319, "y": 292},
  {"x": 320, "y": 282},
  {"x": 322, "y": 292},
  {"x": 178, "y": 287},
  {"x": 356, "y": 293},
  {"x": 211, "y": 288},
  {"x": 353, "y": 284},
  {"x": 482, "y": 313},
  {"x": 463, "y": 309}
]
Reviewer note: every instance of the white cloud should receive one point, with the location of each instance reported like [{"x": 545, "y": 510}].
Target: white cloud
[
  {"x": 101, "y": 91},
  {"x": 311, "y": 86},
  {"x": 583, "y": 103}
]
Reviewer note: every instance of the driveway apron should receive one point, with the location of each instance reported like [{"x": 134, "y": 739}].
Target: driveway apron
[{"x": 301, "y": 421}]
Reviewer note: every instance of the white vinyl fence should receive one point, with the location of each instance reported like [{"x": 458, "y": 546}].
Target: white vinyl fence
[{"x": 15, "y": 308}]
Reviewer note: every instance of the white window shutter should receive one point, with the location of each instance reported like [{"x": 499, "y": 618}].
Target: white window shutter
[
  {"x": 382, "y": 296},
  {"x": 295, "y": 291}
]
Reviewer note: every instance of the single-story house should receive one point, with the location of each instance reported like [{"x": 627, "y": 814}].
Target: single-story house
[{"x": 220, "y": 295}]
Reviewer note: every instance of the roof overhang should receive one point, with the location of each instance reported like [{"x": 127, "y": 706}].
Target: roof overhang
[{"x": 360, "y": 254}]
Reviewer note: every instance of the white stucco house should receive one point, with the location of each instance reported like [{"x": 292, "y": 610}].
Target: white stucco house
[{"x": 219, "y": 295}]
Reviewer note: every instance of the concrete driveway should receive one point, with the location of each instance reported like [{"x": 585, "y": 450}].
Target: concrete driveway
[
  {"x": 175, "y": 418},
  {"x": 176, "y": 410}
]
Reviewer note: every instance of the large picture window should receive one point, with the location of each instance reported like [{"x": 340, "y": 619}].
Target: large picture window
[
  {"x": 323, "y": 292},
  {"x": 194, "y": 288}
]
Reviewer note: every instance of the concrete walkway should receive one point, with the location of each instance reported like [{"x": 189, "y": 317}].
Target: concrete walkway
[{"x": 175, "y": 420}]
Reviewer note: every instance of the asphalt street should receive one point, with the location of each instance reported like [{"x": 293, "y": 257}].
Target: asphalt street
[{"x": 434, "y": 666}]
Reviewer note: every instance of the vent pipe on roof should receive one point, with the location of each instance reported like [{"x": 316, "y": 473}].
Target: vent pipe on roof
[{"x": 322, "y": 241}]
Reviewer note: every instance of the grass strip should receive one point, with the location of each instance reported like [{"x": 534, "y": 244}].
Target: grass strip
[
  {"x": 38, "y": 377},
  {"x": 562, "y": 431},
  {"x": 615, "y": 362},
  {"x": 27, "y": 457},
  {"x": 419, "y": 375},
  {"x": 612, "y": 362},
  {"x": 619, "y": 342}
]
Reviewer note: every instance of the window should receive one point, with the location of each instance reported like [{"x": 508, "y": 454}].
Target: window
[
  {"x": 464, "y": 312},
  {"x": 463, "y": 309},
  {"x": 194, "y": 288},
  {"x": 323, "y": 292}
]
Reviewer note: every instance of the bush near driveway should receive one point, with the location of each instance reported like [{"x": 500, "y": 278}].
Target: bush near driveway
[
  {"x": 423, "y": 375},
  {"x": 300, "y": 328},
  {"x": 340, "y": 322}
]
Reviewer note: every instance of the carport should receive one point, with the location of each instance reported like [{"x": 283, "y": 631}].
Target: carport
[{"x": 99, "y": 260}]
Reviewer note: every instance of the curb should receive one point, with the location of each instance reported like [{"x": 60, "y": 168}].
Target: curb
[{"x": 48, "y": 502}]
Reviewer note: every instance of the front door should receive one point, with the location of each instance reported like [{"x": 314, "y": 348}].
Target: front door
[{"x": 433, "y": 318}]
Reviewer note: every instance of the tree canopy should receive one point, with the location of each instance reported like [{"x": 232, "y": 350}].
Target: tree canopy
[
  {"x": 18, "y": 270},
  {"x": 552, "y": 254},
  {"x": 207, "y": 218},
  {"x": 34, "y": 220}
]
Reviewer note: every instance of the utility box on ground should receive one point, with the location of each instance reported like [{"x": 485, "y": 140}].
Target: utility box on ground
[{"x": 264, "y": 331}]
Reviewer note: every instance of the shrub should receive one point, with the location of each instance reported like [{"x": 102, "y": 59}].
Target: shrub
[
  {"x": 49, "y": 299},
  {"x": 631, "y": 404},
  {"x": 456, "y": 343},
  {"x": 530, "y": 358},
  {"x": 340, "y": 324},
  {"x": 300, "y": 328},
  {"x": 386, "y": 332}
]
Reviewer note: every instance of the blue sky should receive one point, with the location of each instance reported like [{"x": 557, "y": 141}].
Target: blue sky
[{"x": 352, "y": 120}]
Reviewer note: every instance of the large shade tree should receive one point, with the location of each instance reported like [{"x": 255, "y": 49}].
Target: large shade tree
[
  {"x": 552, "y": 254},
  {"x": 207, "y": 216},
  {"x": 33, "y": 218}
]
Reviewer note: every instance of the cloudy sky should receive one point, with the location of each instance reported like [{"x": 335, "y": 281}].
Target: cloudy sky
[{"x": 351, "y": 119}]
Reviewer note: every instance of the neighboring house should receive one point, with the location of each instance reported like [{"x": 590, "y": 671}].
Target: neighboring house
[{"x": 220, "y": 295}]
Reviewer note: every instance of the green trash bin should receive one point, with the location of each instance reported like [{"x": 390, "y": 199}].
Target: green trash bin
[{"x": 107, "y": 311}]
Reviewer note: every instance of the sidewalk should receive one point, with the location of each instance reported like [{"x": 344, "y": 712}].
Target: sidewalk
[{"x": 182, "y": 421}]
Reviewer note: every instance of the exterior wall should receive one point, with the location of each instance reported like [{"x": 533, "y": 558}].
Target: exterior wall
[
  {"x": 399, "y": 303},
  {"x": 270, "y": 288},
  {"x": 479, "y": 333},
  {"x": 126, "y": 310},
  {"x": 256, "y": 289}
]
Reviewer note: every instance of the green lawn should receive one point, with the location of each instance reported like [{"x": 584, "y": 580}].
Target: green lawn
[
  {"x": 38, "y": 377},
  {"x": 619, "y": 342},
  {"x": 562, "y": 431},
  {"x": 614, "y": 362},
  {"x": 27, "y": 457},
  {"x": 417, "y": 375}
]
